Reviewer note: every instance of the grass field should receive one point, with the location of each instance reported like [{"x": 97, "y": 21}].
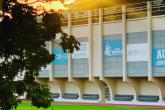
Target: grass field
[{"x": 27, "y": 106}]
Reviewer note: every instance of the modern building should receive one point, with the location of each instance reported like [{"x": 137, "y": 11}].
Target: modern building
[{"x": 121, "y": 58}]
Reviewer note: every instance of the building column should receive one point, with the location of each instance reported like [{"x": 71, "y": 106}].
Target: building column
[
  {"x": 124, "y": 43},
  {"x": 101, "y": 43},
  {"x": 51, "y": 64},
  {"x": 90, "y": 43},
  {"x": 111, "y": 83},
  {"x": 69, "y": 54},
  {"x": 101, "y": 88},
  {"x": 135, "y": 84},
  {"x": 149, "y": 39},
  {"x": 160, "y": 83},
  {"x": 61, "y": 85}
]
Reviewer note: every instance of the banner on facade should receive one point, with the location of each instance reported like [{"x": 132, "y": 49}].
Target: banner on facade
[
  {"x": 83, "y": 52},
  {"x": 112, "y": 48},
  {"x": 61, "y": 57},
  {"x": 158, "y": 57},
  {"x": 137, "y": 52}
]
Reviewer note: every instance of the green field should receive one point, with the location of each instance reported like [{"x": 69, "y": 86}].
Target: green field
[{"x": 27, "y": 106}]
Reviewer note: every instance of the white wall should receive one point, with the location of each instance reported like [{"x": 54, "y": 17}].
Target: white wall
[
  {"x": 71, "y": 88},
  {"x": 148, "y": 88},
  {"x": 90, "y": 88},
  {"x": 112, "y": 28},
  {"x": 80, "y": 31},
  {"x": 54, "y": 88},
  {"x": 137, "y": 25},
  {"x": 123, "y": 88},
  {"x": 158, "y": 23}
]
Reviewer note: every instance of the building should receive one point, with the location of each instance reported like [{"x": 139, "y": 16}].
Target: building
[{"x": 122, "y": 56}]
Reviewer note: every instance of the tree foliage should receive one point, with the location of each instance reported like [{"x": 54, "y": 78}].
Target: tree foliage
[{"x": 23, "y": 35}]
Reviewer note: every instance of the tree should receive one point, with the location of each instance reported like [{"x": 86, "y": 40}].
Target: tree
[{"x": 23, "y": 51}]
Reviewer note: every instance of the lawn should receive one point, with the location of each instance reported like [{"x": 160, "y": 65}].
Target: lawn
[{"x": 27, "y": 106}]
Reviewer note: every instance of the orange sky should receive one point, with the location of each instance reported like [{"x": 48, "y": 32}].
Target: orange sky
[
  {"x": 78, "y": 5},
  {"x": 92, "y": 4}
]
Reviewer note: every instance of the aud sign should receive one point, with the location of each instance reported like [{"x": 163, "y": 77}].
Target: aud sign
[
  {"x": 158, "y": 57},
  {"x": 112, "y": 48},
  {"x": 61, "y": 57},
  {"x": 137, "y": 52},
  {"x": 83, "y": 52}
]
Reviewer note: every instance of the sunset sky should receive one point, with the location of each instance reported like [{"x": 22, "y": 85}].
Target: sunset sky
[
  {"x": 92, "y": 4},
  {"x": 79, "y": 5}
]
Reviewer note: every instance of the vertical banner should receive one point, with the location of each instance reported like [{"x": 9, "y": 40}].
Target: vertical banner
[
  {"x": 61, "y": 57},
  {"x": 83, "y": 52},
  {"x": 158, "y": 57},
  {"x": 112, "y": 48},
  {"x": 137, "y": 52}
]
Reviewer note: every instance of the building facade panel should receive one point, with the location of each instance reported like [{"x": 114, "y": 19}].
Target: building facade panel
[
  {"x": 137, "y": 25},
  {"x": 80, "y": 63},
  {"x": 44, "y": 73},
  {"x": 60, "y": 64},
  {"x": 112, "y": 56},
  {"x": 111, "y": 28},
  {"x": 140, "y": 67},
  {"x": 158, "y": 41}
]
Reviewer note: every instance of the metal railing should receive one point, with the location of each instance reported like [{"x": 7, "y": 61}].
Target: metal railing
[
  {"x": 112, "y": 13},
  {"x": 79, "y": 18},
  {"x": 158, "y": 8},
  {"x": 95, "y": 16},
  {"x": 136, "y": 10},
  {"x": 64, "y": 19}
]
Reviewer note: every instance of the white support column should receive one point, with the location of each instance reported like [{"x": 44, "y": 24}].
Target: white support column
[
  {"x": 90, "y": 40},
  {"x": 101, "y": 43},
  {"x": 69, "y": 55},
  {"x": 149, "y": 39},
  {"x": 124, "y": 43},
  {"x": 51, "y": 64}
]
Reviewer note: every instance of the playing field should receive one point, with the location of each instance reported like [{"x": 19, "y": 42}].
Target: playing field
[{"x": 27, "y": 106}]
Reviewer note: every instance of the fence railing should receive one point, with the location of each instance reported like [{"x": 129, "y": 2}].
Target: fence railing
[
  {"x": 112, "y": 13},
  {"x": 136, "y": 10},
  {"x": 158, "y": 8}
]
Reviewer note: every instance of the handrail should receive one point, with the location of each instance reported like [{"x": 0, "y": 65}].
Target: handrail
[{"x": 135, "y": 10}]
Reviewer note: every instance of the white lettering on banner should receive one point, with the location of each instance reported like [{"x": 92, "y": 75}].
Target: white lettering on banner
[
  {"x": 137, "y": 52},
  {"x": 159, "y": 63},
  {"x": 161, "y": 54},
  {"x": 109, "y": 52},
  {"x": 158, "y": 57},
  {"x": 83, "y": 52},
  {"x": 112, "y": 48}
]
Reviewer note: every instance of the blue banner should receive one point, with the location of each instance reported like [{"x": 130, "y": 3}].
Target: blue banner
[
  {"x": 158, "y": 57},
  {"x": 112, "y": 48},
  {"x": 61, "y": 57}
]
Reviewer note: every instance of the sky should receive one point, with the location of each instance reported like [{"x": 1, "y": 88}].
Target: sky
[
  {"x": 79, "y": 5},
  {"x": 92, "y": 4}
]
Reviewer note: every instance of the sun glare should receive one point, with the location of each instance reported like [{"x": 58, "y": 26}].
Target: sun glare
[
  {"x": 47, "y": 5},
  {"x": 68, "y": 1}
]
